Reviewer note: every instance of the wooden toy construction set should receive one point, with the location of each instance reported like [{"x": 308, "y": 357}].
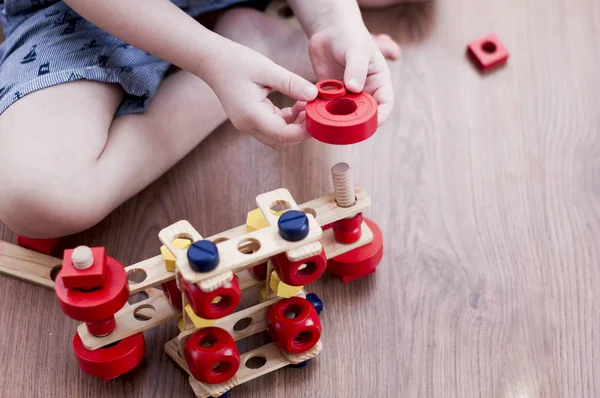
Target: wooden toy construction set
[{"x": 282, "y": 248}]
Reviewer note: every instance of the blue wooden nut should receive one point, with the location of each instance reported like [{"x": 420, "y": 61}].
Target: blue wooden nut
[
  {"x": 316, "y": 302},
  {"x": 300, "y": 365},
  {"x": 293, "y": 225},
  {"x": 203, "y": 256}
]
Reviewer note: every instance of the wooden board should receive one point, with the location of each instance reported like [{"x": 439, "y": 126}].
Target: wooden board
[{"x": 28, "y": 265}]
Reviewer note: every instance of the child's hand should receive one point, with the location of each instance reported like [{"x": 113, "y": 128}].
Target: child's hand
[
  {"x": 349, "y": 53},
  {"x": 242, "y": 79}
]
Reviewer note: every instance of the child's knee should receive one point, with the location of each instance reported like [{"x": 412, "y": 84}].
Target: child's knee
[{"x": 46, "y": 208}]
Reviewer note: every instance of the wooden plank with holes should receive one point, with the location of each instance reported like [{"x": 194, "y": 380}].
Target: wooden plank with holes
[
  {"x": 235, "y": 254},
  {"x": 155, "y": 274},
  {"x": 28, "y": 265},
  {"x": 132, "y": 319},
  {"x": 257, "y": 324},
  {"x": 267, "y": 200},
  {"x": 272, "y": 358},
  {"x": 333, "y": 248},
  {"x": 327, "y": 211}
]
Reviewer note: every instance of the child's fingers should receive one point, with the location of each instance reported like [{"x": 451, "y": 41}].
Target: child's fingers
[
  {"x": 288, "y": 83},
  {"x": 357, "y": 67},
  {"x": 275, "y": 132}
]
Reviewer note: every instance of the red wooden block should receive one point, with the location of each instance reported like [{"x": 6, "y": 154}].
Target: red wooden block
[
  {"x": 212, "y": 355},
  {"x": 172, "y": 293},
  {"x": 294, "y": 325},
  {"x": 339, "y": 117},
  {"x": 89, "y": 278},
  {"x": 46, "y": 246},
  {"x": 300, "y": 273},
  {"x": 112, "y": 361},
  {"x": 216, "y": 304},
  {"x": 487, "y": 52}
]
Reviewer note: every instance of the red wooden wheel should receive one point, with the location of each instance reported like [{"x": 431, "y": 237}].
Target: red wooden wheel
[
  {"x": 361, "y": 261},
  {"x": 300, "y": 273},
  {"x": 212, "y": 355},
  {"x": 294, "y": 325},
  {"x": 95, "y": 304},
  {"x": 216, "y": 304},
  {"x": 339, "y": 117},
  {"x": 113, "y": 360},
  {"x": 172, "y": 293}
]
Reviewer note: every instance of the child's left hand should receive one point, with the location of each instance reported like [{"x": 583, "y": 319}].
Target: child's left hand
[{"x": 350, "y": 53}]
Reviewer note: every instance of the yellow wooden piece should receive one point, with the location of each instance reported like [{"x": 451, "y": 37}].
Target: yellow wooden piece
[
  {"x": 196, "y": 320},
  {"x": 180, "y": 325},
  {"x": 169, "y": 257},
  {"x": 256, "y": 220},
  {"x": 261, "y": 294},
  {"x": 282, "y": 289}
]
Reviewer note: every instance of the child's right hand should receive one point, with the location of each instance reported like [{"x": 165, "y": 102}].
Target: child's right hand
[{"x": 243, "y": 78}]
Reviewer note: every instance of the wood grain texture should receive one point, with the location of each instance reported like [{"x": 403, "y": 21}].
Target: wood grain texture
[{"x": 486, "y": 189}]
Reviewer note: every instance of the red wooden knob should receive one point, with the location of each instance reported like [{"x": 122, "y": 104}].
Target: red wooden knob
[
  {"x": 95, "y": 304},
  {"x": 300, "y": 273},
  {"x": 361, "y": 261},
  {"x": 216, "y": 304},
  {"x": 339, "y": 117},
  {"x": 348, "y": 230},
  {"x": 294, "y": 325},
  {"x": 212, "y": 355},
  {"x": 113, "y": 360},
  {"x": 172, "y": 293}
]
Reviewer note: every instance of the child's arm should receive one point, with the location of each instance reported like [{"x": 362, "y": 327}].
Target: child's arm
[
  {"x": 240, "y": 77},
  {"x": 341, "y": 47}
]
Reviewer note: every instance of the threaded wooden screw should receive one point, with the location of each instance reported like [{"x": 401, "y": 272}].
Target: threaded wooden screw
[
  {"x": 82, "y": 257},
  {"x": 342, "y": 185}
]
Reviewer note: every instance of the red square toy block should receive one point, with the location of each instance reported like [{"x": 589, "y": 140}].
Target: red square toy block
[
  {"x": 86, "y": 278},
  {"x": 45, "y": 246},
  {"x": 487, "y": 52}
]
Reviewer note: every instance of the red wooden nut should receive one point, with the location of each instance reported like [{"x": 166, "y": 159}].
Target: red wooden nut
[
  {"x": 216, "y": 304},
  {"x": 300, "y": 273},
  {"x": 172, "y": 293},
  {"x": 294, "y": 325},
  {"x": 211, "y": 355},
  {"x": 113, "y": 360},
  {"x": 96, "y": 305},
  {"x": 84, "y": 267},
  {"x": 348, "y": 230},
  {"x": 46, "y": 246},
  {"x": 361, "y": 261},
  {"x": 259, "y": 272},
  {"x": 339, "y": 117},
  {"x": 487, "y": 52}
]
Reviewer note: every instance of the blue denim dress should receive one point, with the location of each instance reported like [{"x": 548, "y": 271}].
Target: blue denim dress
[{"x": 47, "y": 43}]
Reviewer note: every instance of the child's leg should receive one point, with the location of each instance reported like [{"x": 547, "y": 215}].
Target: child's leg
[{"x": 65, "y": 163}]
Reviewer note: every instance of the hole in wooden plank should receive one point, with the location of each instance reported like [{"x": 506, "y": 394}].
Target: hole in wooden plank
[
  {"x": 54, "y": 272},
  {"x": 142, "y": 312},
  {"x": 136, "y": 275},
  {"x": 219, "y": 240},
  {"x": 242, "y": 324},
  {"x": 249, "y": 246},
  {"x": 309, "y": 210},
  {"x": 280, "y": 205},
  {"x": 183, "y": 235},
  {"x": 256, "y": 362},
  {"x": 137, "y": 297}
]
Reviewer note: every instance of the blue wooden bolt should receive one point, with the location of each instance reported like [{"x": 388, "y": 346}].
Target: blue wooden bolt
[
  {"x": 203, "y": 256},
  {"x": 316, "y": 302},
  {"x": 293, "y": 225}
]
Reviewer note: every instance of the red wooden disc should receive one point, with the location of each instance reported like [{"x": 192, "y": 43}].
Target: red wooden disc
[
  {"x": 360, "y": 261},
  {"x": 96, "y": 304},
  {"x": 113, "y": 360},
  {"x": 343, "y": 120},
  {"x": 329, "y": 89}
]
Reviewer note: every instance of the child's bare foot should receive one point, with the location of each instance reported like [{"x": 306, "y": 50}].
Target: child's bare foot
[{"x": 279, "y": 41}]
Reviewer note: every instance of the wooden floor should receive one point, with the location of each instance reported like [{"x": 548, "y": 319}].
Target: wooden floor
[{"x": 486, "y": 189}]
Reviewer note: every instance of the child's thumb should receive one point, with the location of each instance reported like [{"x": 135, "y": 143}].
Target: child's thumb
[{"x": 289, "y": 84}]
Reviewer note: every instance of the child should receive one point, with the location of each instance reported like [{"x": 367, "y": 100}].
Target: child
[{"x": 86, "y": 100}]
